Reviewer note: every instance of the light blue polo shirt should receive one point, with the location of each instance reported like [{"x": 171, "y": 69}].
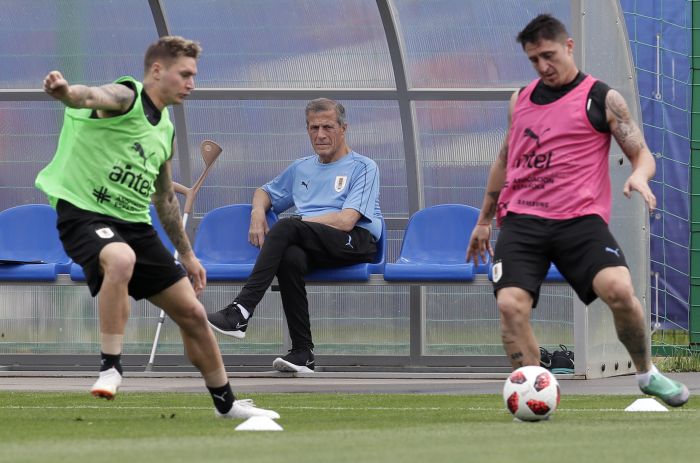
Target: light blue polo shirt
[{"x": 314, "y": 188}]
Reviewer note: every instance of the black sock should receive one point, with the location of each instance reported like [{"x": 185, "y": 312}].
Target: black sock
[
  {"x": 223, "y": 397},
  {"x": 108, "y": 361}
]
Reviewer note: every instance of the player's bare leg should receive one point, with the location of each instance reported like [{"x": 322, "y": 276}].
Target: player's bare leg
[
  {"x": 515, "y": 306},
  {"x": 614, "y": 286},
  {"x": 181, "y": 304},
  {"x": 117, "y": 262}
]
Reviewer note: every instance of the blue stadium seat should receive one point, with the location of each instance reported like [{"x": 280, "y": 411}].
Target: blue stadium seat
[
  {"x": 30, "y": 249},
  {"x": 434, "y": 246},
  {"x": 222, "y": 243},
  {"x": 355, "y": 272},
  {"x": 76, "y": 271}
]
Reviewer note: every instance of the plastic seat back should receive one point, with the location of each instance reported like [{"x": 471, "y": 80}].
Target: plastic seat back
[
  {"x": 439, "y": 234},
  {"x": 435, "y": 244},
  {"x": 29, "y": 245},
  {"x": 222, "y": 243}
]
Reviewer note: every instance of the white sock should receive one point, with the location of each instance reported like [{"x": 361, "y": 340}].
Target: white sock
[
  {"x": 644, "y": 378},
  {"x": 245, "y": 313}
]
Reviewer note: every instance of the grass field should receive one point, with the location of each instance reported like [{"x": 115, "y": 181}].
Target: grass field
[{"x": 179, "y": 427}]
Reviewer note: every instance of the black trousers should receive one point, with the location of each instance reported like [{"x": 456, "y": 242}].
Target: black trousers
[{"x": 292, "y": 249}]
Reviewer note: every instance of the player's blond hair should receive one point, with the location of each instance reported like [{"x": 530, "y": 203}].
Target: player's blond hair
[{"x": 169, "y": 48}]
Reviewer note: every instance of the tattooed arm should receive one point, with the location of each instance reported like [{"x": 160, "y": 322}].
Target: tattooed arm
[
  {"x": 631, "y": 140},
  {"x": 110, "y": 99},
  {"x": 479, "y": 243},
  {"x": 168, "y": 209}
]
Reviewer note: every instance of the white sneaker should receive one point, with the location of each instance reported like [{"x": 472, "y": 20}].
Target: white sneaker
[
  {"x": 107, "y": 384},
  {"x": 244, "y": 409}
]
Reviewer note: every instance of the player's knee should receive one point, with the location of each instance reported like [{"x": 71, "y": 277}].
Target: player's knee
[
  {"x": 618, "y": 294},
  {"x": 117, "y": 261},
  {"x": 192, "y": 315},
  {"x": 512, "y": 306}
]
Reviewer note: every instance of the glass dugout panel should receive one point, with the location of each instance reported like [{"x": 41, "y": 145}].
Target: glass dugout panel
[
  {"x": 457, "y": 142},
  {"x": 89, "y": 42},
  {"x": 28, "y": 138},
  {"x": 468, "y": 43},
  {"x": 286, "y": 43}
]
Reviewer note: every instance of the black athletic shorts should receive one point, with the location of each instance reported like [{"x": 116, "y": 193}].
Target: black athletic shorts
[
  {"x": 579, "y": 247},
  {"x": 84, "y": 234}
]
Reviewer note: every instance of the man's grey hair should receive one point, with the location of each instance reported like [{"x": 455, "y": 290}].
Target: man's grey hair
[{"x": 326, "y": 104}]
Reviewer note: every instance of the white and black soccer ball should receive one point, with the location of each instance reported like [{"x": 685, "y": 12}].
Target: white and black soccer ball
[{"x": 531, "y": 393}]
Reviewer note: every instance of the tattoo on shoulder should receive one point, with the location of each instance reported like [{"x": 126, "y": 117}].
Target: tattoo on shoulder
[
  {"x": 617, "y": 105},
  {"x": 119, "y": 93},
  {"x": 624, "y": 129}
]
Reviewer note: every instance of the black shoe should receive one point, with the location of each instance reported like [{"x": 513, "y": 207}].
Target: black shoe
[
  {"x": 562, "y": 360},
  {"x": 229, "y": 321},
  {"x": 545, "y": 358},
  {"x": 297, "y": 360}
]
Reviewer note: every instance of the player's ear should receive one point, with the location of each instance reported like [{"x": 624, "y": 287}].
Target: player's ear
[
  {"x": 569, "y": 45},
  {"x": 156, "y": 70}
]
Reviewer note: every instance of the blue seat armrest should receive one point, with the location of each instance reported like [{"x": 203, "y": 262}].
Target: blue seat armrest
[
  {"x": 412, "y": 271},
  {"x": 484, "y": 268},
  {"x": 28, "y": 272},
  {"x": 355, "y": 272},
  {"x": 227, "y": 272},
  {"x": 76, "y": 272}
]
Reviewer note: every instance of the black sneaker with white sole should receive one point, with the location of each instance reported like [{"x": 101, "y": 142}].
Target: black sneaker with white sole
[
  {"x": 545, "y": 358},
  {"x": 562, "y": 360},
  {"x": 229, "y": 321},
  {"x": 297, "y": 360}
]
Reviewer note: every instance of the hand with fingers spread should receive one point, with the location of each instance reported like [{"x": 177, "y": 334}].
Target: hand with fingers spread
[
  {"x": 638, "y": 182},
  {"x": 479, "y": 244}
]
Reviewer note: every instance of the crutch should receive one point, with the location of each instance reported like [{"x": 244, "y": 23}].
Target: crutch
[{"x": 210, "y": 151}]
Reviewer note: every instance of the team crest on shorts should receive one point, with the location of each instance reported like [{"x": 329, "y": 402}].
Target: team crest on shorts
[
  {"x": 105, "y": 233},
  {"x": 497, "y": 271},
  {"x": 340, "y": 182}
]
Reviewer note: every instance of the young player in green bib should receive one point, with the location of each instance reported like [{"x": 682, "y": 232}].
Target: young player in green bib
[{"x": 112, "y": 160}]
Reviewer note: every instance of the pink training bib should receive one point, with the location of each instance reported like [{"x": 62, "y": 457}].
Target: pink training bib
[{"x": 557, "y": 161}]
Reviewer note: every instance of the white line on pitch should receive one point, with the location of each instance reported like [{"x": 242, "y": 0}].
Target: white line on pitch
[{"x": 166, "y": 407}]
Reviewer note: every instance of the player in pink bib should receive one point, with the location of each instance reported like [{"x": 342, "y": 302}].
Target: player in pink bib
[
  {"x": 549, "y": 190},
  {"x": 559, "y": 166}
]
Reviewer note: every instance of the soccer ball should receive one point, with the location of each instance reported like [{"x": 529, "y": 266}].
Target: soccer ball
[{"x": 531, "y": 393}]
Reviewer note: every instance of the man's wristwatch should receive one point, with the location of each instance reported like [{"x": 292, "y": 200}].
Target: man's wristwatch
[{"x": 295, "y": 216}]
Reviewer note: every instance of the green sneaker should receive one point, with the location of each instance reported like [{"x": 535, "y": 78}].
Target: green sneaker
[{"x": 672, "y": 392}]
